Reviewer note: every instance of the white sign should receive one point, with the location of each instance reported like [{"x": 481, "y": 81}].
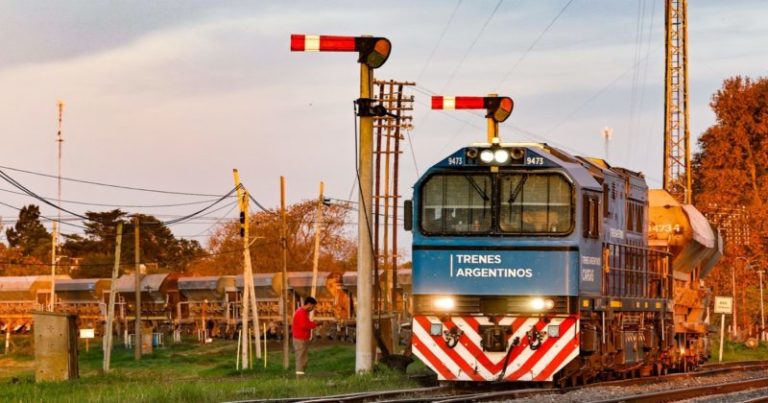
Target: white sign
[
  {"x": 724, "y": 305},
  {"x": 87, "y": 333}
]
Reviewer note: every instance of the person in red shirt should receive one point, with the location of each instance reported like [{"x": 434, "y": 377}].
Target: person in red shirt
[{"x": 302, "y": 331}]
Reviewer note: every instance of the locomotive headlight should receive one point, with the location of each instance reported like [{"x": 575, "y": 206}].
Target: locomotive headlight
[
  {"x": 540, "y": 304},
  {"x": 501, "y": 156},
  {"x": 444, "y": 303},
  {"x": 487, "y": 156}
]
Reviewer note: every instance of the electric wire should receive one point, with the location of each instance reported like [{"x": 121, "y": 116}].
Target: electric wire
[
  {"x": 21, "y": 187},
  {"x": 535, "y": 42},
  {"x": 439, "y": 41},
  {"x": 118, "y": 205},
  {"x": 472, "y": 46},
  {"x": 109, "y": 185},
  {"x": 593, "y": 97}
]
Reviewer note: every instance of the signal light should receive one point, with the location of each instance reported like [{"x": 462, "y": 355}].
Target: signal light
[
  {"x": 242, "y": 223},
  {"x": 373, "y": 51},
  {"x": 497, "y": 108}
]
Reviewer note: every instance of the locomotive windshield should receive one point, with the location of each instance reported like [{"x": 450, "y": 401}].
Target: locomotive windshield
[
  {"x": 535, "y": 203},
  {"x": 456, "y": 204},
  {"x": 527, "y": 203}
]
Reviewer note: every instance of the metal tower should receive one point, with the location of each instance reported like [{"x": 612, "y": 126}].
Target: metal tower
[{"x": 677, "y": 149}]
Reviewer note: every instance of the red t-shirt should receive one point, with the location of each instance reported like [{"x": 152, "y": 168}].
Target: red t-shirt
[{"x": 302, "y": 326}]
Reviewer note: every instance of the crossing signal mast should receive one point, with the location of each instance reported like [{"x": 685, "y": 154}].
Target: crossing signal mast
[
  {"x": 373, "y": 52},
  {"x": 677, "y": 149}
]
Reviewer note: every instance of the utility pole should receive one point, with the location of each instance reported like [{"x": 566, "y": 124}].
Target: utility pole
[
  {"x": 388, "y": 129},
  {"x": 373, "y": 52},
  {"x": 284, "y": 245},
  {"x": 137, "y": 283},
  {"x": 111, "y": 306},
  {"x": 316, "y": 256},
  {"x": 55, "y": 229},
  {"x": 249, "y": 293},
  {"x": 762, "y": 310}
]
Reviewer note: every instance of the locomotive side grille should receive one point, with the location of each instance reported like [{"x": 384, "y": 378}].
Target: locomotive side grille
[{"x": 492, "y": 305}]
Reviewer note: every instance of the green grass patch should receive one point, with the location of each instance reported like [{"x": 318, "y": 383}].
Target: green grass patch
[
  {"x": 733, "y": 351},
  {"x": 190, "y": 372}
]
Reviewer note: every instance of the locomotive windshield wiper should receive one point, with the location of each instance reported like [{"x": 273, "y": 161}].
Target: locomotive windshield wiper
[
  {"x": 519, "y": 188},
  {"x": 479, "y": 191}
]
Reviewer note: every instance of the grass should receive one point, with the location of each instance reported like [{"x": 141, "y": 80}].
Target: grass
[
  {"x": 188, "y": 371},
  {"x": 733, "y": 351}
]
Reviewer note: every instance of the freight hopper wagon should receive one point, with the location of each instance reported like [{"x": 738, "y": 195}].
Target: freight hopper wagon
[
  {"x": 85, "y": 298},
  {"x": 204, "y": 303},
  {"x": 331, "y": 300},
  {"x": 403, "y": 291},
  {"x": 695, "y": 247},
  {"x": 531, "y": 264},
  {"x": 159, "y": 297},
  {"x": 20, "y": 296},
  {"x": 328, "y": 292},
  {"x": 268, "y": 288}
]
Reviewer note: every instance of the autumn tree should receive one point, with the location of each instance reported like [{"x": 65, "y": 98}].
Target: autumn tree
[
  {"x": 730, "y": 173},
  {"x": 29, "y": 235},
  {"x": 337, "y": 251},
  {"x": 13, "y": 262},
  {"x": 159, "y": 247}
]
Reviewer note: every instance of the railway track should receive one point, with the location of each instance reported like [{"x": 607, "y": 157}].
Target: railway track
[{"x": 457, "y": 394}]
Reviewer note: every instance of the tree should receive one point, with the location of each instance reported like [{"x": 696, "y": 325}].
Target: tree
[
  {"x": 29, "y": 235},
  {"x": 337, "y": 251},
  {"x": 14, "y": 263},
  {"x": 730, "y": 174},
  {"x": 159, "y": 247}
]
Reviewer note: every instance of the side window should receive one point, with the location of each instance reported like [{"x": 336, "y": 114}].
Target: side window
[
  {"x": 591, "y": 216},
  {"x": 606, "y": 197}
]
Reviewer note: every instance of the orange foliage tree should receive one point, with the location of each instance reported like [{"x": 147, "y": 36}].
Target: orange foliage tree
[
  {"x": 730, "y": 175},
  {"x": 337, "y": 250},
  {"x": 13, "y": 262}
]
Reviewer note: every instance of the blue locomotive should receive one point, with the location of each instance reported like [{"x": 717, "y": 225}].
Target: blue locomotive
[{"x": 532, "y": 264}]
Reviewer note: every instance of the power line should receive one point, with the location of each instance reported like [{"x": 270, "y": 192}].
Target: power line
[
  {"x": 536, "y": 41},
  {"x": 119, "y": 205},
  {"x": 109, "y": 185},
  {"x": 439, "y": 40},
  {"x": 472, "y": 46}
]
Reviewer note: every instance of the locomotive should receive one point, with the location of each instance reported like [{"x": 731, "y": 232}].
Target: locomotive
[{"x": 532, "y": 264}]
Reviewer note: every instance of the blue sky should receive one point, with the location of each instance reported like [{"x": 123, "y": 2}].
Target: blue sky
[{"x": 173, "y": 95}]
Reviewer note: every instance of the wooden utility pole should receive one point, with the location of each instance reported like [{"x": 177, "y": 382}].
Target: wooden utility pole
[
  {"x": 388, "y": 129},
  {"x": 316, "y": 259},
  {"x": 137, "y": 282},
  {"x": 112, "y": 296},
  {"x": 284, "y": 244},
  {"x": 249, "y": 293}
]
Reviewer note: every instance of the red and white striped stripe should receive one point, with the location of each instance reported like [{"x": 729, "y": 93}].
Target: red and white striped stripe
[
  {"x": 468, "y": 362},
  {"x": 323, "y": 43},
  {"x": 451, "y": 103}
]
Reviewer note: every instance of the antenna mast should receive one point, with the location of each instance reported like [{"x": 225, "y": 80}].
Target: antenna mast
[{"x": 677, "y": 149}]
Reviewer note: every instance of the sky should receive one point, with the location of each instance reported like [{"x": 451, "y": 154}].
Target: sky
[{"x": 172, "y": 95}]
